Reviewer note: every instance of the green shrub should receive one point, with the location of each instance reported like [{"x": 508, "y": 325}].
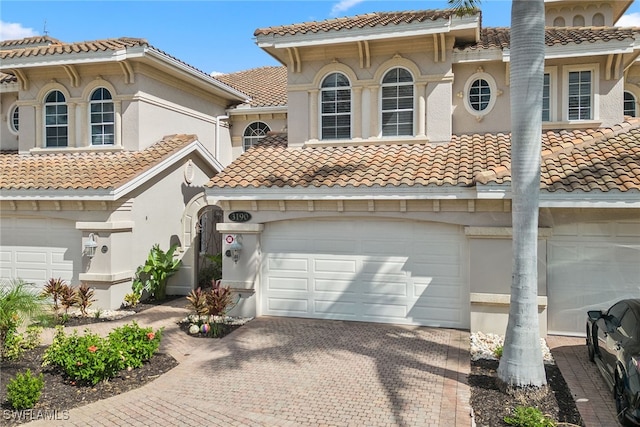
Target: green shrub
[
  {"x": 16, "y": 343},
  {"x": 131, "y": 299},
  {"x": 498, "y": 351},
  {"x": 87, "y": 358},
  {"x": 529, "y": 417},
  {"x": 24, "y": 390},
  {"x": 16, "y": 303},
  {"x": 90, "y": 358},
  {"x": 154, "y": 274},
  {"x": 136, "y": 345}
]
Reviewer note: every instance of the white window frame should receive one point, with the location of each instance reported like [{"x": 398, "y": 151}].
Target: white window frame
[
  {"x": 553, "y": 94},
  {"x": 102, "y": 124},
  {"x": 595, "y": 89},
  {"x": 493, "y": 89},
  {"x": 56, "y": 125},
  {"x": 255, "y": 136},
  {"x": 635, "y": 103},
  {"x": 321, "y": 114},
  {"x": 413, "y": 102},
  {"x": 11, "y": 119}
]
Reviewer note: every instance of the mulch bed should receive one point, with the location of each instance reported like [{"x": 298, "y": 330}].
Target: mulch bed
[
  {"x": 61, "y": 394},
  {"x": 490, "y": 405}
]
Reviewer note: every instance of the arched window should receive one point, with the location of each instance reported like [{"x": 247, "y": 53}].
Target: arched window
[
  {"x": 597, "y": 20},
  {"x": 479, "y": 95},
  {"x": 559, "y": 22},
  {"x": 578, "y": 21},
  {"x": 254, "y": 133},
  {"x": 14, "y": 119},
  {"x": 397, "y": 103},
  {"x": 102, "y": 117},
  {"x": 629, "y": 104},
  {"x": 56, "y": 120},
  {"x": 335, "y": 107}
]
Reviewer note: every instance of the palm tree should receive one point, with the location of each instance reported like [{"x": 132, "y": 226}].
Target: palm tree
[
  {"x": 16, "y": 303},
  {"x": 521, "y": 362}
]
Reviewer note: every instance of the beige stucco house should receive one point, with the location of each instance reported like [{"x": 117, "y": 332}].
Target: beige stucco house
[
  {"x": 104, "y": 141},
  {"x": 388, "y": 198},
  {"x": 367, "y": 178}
]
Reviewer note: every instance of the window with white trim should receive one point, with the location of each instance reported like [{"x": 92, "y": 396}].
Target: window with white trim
[
  {"x": 254, "y": 133},
  {"x": 630, "y": 104},
  {"x": 580, "y": 95},
  {"x": 102, "y": 117},
  {"x": 397, "y": 103},
  {"x": 56, "y": 120},
  {"x": 14, "y": 119},
  {"x": 480, "y": 93},
  {"x": 335, "y": 107}
]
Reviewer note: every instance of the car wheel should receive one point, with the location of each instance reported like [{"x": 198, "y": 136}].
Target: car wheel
[
  {"x": 622, "y": 403},
  {"x": 591, "y": 347}
]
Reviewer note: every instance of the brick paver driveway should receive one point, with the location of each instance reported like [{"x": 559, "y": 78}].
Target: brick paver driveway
[{"x": 281, "y": 371}]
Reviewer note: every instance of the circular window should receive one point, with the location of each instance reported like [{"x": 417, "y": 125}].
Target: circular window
[
  {"x": 480, "y": 94},
  {"x": 14, "y": 119}
]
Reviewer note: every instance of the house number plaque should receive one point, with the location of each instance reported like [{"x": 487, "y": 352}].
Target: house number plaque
[{"x": 240, "y": 216}]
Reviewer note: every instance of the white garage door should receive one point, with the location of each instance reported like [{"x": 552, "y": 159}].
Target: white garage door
[
  {"x": 590, "y": 266},
  {"x": 37, "y": 249},
  {"x": 376, "y": 271}
]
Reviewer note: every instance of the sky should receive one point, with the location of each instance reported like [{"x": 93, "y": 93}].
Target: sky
[{"x": 215, "y": 36}]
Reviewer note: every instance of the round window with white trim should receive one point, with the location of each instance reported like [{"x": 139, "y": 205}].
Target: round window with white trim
[
  {"x": 13, "y": 119},
  {"x": 480, "y": 94}
]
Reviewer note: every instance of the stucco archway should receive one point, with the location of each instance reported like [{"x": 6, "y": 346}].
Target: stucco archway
[{"x": 190, "y": 229}]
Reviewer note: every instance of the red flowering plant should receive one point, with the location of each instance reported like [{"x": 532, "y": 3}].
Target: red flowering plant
[{"x": 90, "y": 358}]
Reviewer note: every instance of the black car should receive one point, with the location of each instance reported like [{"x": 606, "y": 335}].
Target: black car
[{"x": 613, "y": 341}]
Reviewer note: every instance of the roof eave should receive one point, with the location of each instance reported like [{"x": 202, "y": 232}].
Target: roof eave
[{"x": 449, "y": 25}]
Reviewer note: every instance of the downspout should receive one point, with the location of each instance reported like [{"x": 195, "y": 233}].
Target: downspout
[{"x": 217, "y": 148}]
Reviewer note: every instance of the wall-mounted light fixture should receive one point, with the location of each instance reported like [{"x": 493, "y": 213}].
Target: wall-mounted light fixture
[
  {"x": 234, "y": 249},
  {"x": 90, "y": 246}
]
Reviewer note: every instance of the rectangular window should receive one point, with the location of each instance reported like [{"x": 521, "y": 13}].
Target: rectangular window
[
  {"x": 580, "y": 90},
  {"x": 546, "y": 100}
]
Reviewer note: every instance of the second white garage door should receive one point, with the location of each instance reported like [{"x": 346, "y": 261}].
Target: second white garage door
[
  {"x": 403, "y": 272},
  {"x": 38, "y": 249}
]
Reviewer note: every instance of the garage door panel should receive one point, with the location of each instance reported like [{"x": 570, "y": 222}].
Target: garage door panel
[
  {"x": 376, "y": 274},
  {"x": 288, "y": 306},
  {"x": 335, "y": 286},
  {"x": 280, "y": 283},
  {"x": 335, "y": 265},
  {"x": 281, "y": 264},
  {"x": 590, "y": 269}
]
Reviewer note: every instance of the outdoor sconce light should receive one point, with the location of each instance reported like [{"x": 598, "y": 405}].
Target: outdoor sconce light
[
  {"x": 234, "y": 250},
  {"x": 90, "y": 246}
]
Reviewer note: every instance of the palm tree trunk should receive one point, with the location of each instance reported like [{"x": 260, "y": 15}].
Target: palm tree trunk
[{"x": 521, "y": 363}]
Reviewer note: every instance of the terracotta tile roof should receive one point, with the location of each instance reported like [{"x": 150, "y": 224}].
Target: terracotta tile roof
[
  {"x": 492, "y": 38},
  {"x": 28, "y": 42},
  {"x": 79, "y": 47},
  {"x": 86, "y": 170},
  {"x": 267, "y": 86},
  {"x": 376, "y": 19},
  {"x": 593, "y": 159},
  {"x": 7, "y": 78}
]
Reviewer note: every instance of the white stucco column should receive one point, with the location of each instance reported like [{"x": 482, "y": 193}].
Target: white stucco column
[
  {"x": 422, "y": 104},
  {"x": 374, "y": 112},
  {"x": 357, "y": 113},
  {"x": 117, "y": 107},
  {"x": 313, "y": 114},
  {"x": 71, "y": 124},
  {"x": 85, "y": 138},
  {"x": 39, "y": 119}
]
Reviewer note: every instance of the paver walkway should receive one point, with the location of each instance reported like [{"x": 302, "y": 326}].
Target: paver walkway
[
  {"x": 295, "y": 372},
  {"x": 591, "y": 393}
]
